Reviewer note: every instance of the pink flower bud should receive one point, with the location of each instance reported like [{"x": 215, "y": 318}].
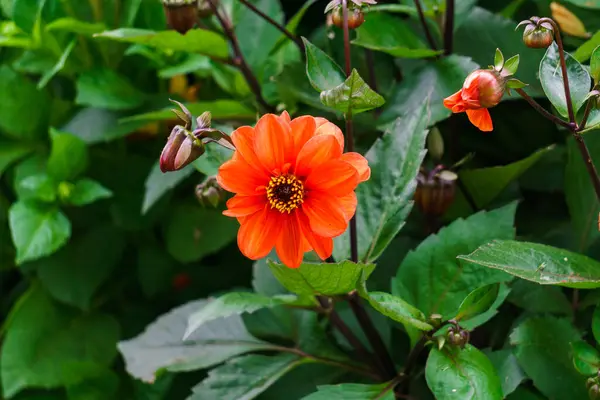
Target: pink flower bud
[{"x": 181, "y": 149}]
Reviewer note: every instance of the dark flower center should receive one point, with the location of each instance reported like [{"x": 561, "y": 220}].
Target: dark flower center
[{"x": 285, "y": 193}]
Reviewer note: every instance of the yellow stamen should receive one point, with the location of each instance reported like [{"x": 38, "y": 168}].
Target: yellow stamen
[{"x": 285, "y": 193}]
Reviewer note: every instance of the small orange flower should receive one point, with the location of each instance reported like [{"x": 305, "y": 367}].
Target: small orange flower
[
  {"x": 294, "y": 187},
  {"x": 482, "y": 89}
]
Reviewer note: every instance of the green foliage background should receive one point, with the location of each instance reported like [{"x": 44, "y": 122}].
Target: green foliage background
[{"x": 103, "y": 258}]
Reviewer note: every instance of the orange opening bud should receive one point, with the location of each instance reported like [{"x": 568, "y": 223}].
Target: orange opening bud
[
  {"x": 355, "y": 18},
  {"x": 181, "y": 149},
  {"x": 181, "y": 14},
  {"x": 482, "y": 89}
]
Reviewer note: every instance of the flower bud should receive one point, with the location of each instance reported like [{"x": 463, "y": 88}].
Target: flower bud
[
  {"x": 435, "y": 191},
  {"x": 591, "y": 382},
  {"x": 537, "y": 37},
  {"x": 355, "y": 18},
  {"x": 435, "y": 144},
  {"x": 181, "y": 14},
  {"x": 457, "y": 336},
  {"x": 209, "y": 193},
  {"x": 490, "y": 84},
  {"x": 594, "y": 392},
  {"x": 181, "y": 149}
]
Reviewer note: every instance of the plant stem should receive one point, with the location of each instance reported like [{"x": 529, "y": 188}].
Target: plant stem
[
  {"x": 328, "y": 361},
  {"x": 413, "y": 356},
  {"x": 385, "y": 360},
  {"x": 425, "y": 26},
  {"x": 239, "y": 59},
  {"x": 449, "y": 27},
  {"x": 588, "y": 109},
  {"x": 543, "y": 111},
  {"x": 574, "y": 129},
  {"x": 341, "y": 326},
  {"x": 271, "y": 21},
  {"x": 563, "y": 67}
]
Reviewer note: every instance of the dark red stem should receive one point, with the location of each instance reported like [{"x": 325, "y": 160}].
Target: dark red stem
[{"x": 449, "y": 28}]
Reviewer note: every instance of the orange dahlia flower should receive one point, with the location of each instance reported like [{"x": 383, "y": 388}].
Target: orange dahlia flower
[
  {"x": 482, "y": 89},
  {"x": 294, "y": 186}
]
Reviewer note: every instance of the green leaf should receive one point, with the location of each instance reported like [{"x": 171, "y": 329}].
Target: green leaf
[
  {"x": 96, "y": 125},
  {"x": 11, "y": 152},
  {"x": 552, "y": 80},
  {"x": 158, "y": 184},
  {"x": 105, "y": 88},
  {"x": 593, "y": 4},
  {"x": 457, "y": 374},
  {"x": 293, "y": 23},
  {"x": 432, "y": 279},
  {"x": 160, "y": 347},
  {"x": 24, "y": 110},
  {"x": 256, "y": 36},
  {"x": 60, "y": 64},
  {"x": 586, "y": 359},
  {"x": 483, "y": 31},
  {"x": 237, "y": 303},
  {"x": 37, "y": 187},
  {"x": 37, "y": 230},
  {"x": 485, "y": 184},
  {"x": 585, "y": 51},
  {"x": 386, "y": 33},
  {"x": 87, "y": 191},
  {"x": 72, "y": 25},
  {"x": 26, "y": 13},
  {"x": 491, "y": 312},
  {"x": 429, "y": 84},
  {"x": 580, "y": 195},
  {"x": 595, "y": 63},
  {"x": 200, "y": 41},
  {"x": 69, "y": 156},
  {"x": 512, "y": 65},
  {"x": 193, "y": 232},
  {"x": 397, "y": 309},
  {"x": 478, "y": 302},
  {"x": 352, "y": 96},
  {"x": 596, "y": 324},
  {"x": 538, "y": 263},
  {"x": 322, "y": 279},
  {"x": 507, "y": 369},
  {"x": 498, "y": 60},
  {"x": 49, "y": 346},
  {"x": 539, "y": 299},
  {"x": 515, "y": 84},
  {"x": 541, "y": 344},
  {"x": 219, "y": 109},
  {"x": 388, "y": 195},
  {"x": 76, "y": 272},
  {"x": 101, "y": 387},
  {"x": 353, "y": 391},
  {"x": 263, "y": 280},
  {"x": 245, "y": 377},
  {"x": 323, "y": 73}
]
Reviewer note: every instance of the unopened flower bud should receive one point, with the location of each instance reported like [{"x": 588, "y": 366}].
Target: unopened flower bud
[
  {"x": 457, "y": 337},
  {"x": 355, "y": 18},
  {"x": 591, "y": 382},
  {"x": 537, "y": 37},
  {"x": 209, "y": 193},
  {"x": 491, "y": 86},
  {"x": 435, "y": 144},
  {"x": 435, "y": 192},
  {"x": 594, "y": 392},
  {"x": 181, "y": 14},
  {"x": 181, "y": 149}
]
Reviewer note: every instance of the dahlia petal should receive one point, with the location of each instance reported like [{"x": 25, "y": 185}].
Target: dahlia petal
[
  {"x": 273, "y": 145},
  {"x": 259, "y": 233},
  {"x": 243, "y": 139},
  {"x": 237, "y": 176},
  {"x": 242, "y": 206},
  {"x": 481, "y": 119},
  {"x": 303, "y": 128},
  {"x": 290, "y": 243},
  {"x": 321, "y": 245},
  {"x": 325, "y": 214},
  {"x": 324, "y": 127},
  {"x": 360, "y": 163},
  {"x": 285, "y": 117},
  {"x": 452, "y": 101},
  {"x": 349, "y": 203},
  {"x": 335, "y": 177},
  {"x": 316, "y": 152}
]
